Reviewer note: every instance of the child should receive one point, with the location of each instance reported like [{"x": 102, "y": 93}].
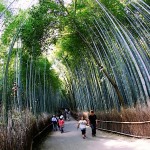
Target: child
[
  {"x": 61, "y": 124},
  {"x": 82, "y": 124}
]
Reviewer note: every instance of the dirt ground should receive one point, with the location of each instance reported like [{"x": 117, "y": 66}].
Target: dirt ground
[{"x": 71, "y": 139}]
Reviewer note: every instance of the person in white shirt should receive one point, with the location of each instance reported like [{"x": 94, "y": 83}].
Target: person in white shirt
[
  {"x": 54, "y": 122},
  {"x": 82, "y": 124}
]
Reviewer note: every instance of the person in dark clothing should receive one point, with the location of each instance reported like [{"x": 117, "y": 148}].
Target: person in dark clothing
[
  {"x": 93, "y": 122},
  {"x": 65, "y": 114}
]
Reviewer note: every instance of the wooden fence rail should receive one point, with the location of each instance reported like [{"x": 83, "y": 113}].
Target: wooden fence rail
[{"x": 133, "y": 129}]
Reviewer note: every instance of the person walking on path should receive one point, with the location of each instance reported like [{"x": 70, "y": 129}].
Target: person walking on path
[
  {"x": 54, "y": 122},
  {"x": 61, "y": 124},
  {"x": 65, "y": 113},
  {"x": 82, "y": 124},
  {"x": 93, "y": 122},
  {"x": 68, "y": 115}
]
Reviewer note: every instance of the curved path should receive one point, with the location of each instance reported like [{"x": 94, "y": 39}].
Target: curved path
[{"x": 71, "y": 139}]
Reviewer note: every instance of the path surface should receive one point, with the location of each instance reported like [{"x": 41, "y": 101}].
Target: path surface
[{"x": 71, "y": 139}]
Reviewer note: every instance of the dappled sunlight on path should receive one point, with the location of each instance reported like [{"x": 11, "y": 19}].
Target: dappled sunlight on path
[
  {"x": 127, "y": 145},
  {"x": 71, "y": 139}
]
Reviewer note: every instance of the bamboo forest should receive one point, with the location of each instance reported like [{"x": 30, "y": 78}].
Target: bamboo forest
[{"x": 77, "y": 54}]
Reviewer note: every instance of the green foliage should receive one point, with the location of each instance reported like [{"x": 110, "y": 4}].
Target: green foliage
[
  {"x": 79, "y": 24},
  {"x": 51, "y": 76},
  {"x": 71, "y": 44},
  {"x": 72, "y": 48},
  {"x": 39, "y": 65},
  {"x": 54, "y": 80},
  {"x": 41, "y": 20},
  {"x": 4, "y": 11},
  {"x": 116, "y": 8},
  {"x": 147, "y": 2},
  {"x": 11, "y": 28},
  {"x": 2, "y": 7}
]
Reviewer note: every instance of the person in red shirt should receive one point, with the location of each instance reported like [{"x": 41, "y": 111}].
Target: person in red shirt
[{"x": 61, "y": 124}]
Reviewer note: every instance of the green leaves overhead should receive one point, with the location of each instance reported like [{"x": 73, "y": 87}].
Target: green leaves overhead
[
  {"x": 40, "y": 25},
  {"x": 116, "y": 8},
  {"x": 4, "y": 11},
  {"x": 13, "y": 25},
  {"x": 147, "y": 2},
  {"x": 2, "y": 7},
  {"x": 72, "y": 47}
]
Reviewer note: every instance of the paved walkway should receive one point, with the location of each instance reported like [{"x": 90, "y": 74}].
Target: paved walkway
[{"x": 71, "y": 139}]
